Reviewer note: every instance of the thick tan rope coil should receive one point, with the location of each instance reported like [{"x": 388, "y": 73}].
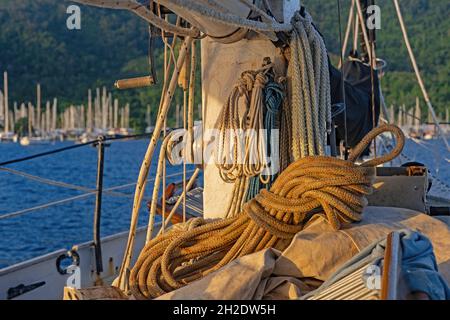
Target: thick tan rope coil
[{"x": 312, "y": 185}]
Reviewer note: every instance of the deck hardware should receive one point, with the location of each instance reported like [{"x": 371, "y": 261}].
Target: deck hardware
[
  {"x": 69, "y": 254},
  {"x": 134, "y": 83},
  {"x": 22, "y": 289},
  {"x": 98, "y": 203}
]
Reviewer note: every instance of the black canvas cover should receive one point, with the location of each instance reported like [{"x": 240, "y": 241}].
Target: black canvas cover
[{"x": 358, "y": 98}]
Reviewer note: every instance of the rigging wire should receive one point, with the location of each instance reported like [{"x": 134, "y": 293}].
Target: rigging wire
[
  {"x": 348, "y": 30},
  {"x": 343, "y": 82},
  {"x": 76, "y": 146},
  {"x": 169, "y": 59},
  {"x": 59, "y": 183},
  {"x": 81, "y": 196},
  {"x": 151, "y": 40},
  {"x": 47, "y": 153},
  {"x": 372, "y": 58}
]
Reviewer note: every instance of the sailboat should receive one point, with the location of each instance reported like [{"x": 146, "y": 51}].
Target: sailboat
[{"x": 312, "y": 215}]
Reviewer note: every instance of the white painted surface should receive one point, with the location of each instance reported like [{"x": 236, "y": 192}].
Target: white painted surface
[
  {"x": 221, "y": 68},
  {"x": 44, "y": 268}
]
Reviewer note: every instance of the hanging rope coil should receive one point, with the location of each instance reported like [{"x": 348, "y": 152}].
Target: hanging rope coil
[
  {"x": 312, "y": 185},
  {"x": 255, "y": 143},
  {"x": 310, "y": 90},
  {"x": 240, "y": 149},
  {"x": 273, "y": 100}
]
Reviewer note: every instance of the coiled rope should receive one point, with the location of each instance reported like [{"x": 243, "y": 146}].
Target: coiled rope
[
  {"x": 240, "y": 147},
  {"x": 240, "y": 150},
  {"x": 273, "y": 100},
  {"x": 313, "y": 185},
  {"x": 310, "y": 91}
]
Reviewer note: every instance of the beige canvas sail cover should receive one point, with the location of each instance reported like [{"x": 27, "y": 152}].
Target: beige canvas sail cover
[{"x": 313, "y": 256}]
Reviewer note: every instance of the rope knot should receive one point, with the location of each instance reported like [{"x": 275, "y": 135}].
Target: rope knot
[
  {"x": 334, "y": 187},
  {"x": 245, "y": 83},
  {"x": 260, "y": 81}
]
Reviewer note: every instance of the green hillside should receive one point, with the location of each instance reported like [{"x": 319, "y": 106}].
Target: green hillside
[
  {"x": 36, "y": 46},
  {"x": 429, "y": 31}
]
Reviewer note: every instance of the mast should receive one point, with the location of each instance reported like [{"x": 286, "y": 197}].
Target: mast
[
  {"x": 97, "y": 123},
  {"x": 367, "y": 35},
  {"x": 48, "y": 107},
  {"x": 89, "y": 112},
  {"x": 147, "y": 116},
  {"x": 82, "y": 118},
  {"x": 417, "y": 115},
  {"x": 127, "y": 116},
  {"x": 366, "y": 54},
  {"x": 116, "y": 113},
  {"x": 23, "y": 111},
  {"x": 400, "y": 117},
  {"x": 104, "y": 109},
  {"x": 30, "y": 119},
  {"x": 110, "y": 111},
  {"x": 38, "y": 104},
  {"x": 2, "y": 109},
  {"x": 237, "y": 57},
  {"x": 13, "y": 117},
  {"x": 5, "y": 87},
  {"x": 54, "y": 113},
  {"x": 392, "y": 114},
  {"x": 121, "y": 118}
]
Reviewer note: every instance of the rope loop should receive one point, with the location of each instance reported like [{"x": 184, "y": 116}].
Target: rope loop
[{"x": 371, "y": 136}]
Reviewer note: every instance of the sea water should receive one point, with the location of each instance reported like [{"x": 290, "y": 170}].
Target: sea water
[{"x": 62, "y": 226}]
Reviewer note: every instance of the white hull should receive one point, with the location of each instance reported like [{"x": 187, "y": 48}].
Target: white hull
[{"x": 42, "y": 271}]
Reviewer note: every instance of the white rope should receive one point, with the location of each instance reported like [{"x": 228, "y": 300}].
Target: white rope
[
  {"x": 231, "y": 19},
  {"x": 240, "y": 149},
  {"x": 310, "y": 92},
  {"x": 184, "y": 146},
  {"x": 347, "y": 33}
]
